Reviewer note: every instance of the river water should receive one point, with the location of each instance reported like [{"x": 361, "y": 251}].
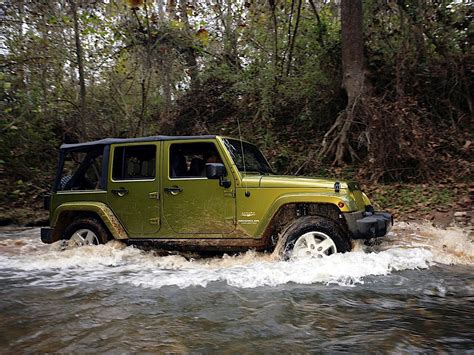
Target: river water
[{"x": 413, "y": 292}]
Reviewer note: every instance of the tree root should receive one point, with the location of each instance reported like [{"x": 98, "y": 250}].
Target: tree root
[{"x": 339, "y": 145}]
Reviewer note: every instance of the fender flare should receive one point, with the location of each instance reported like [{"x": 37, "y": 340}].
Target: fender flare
[
  {"x": 305, "y": 197},
  {"x": 101, "y": 209}
]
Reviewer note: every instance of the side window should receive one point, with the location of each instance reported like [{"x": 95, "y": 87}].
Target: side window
[
  {"x": 82, "y": 170},
  {"x": 134, "y": 162},
  {"x": 189, "y": 159}
]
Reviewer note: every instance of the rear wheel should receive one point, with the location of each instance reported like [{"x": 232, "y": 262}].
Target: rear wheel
[
  {"x": 86, "y": 231},
  {"x": 314, "y": 236}
]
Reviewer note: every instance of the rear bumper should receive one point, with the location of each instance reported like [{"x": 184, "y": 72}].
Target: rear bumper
[
  {"x": 47, "y": 235},
  {"x": 367, "y": 225}
]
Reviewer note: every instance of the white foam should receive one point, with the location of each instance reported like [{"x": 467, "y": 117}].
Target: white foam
[
  {"x": 449, "y": 246},
  {"x": 341, "y": 269},
  {"x": 408, "y": 247}
]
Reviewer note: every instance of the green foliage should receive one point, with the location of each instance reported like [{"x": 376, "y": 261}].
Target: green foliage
[
  {"x": 413, "y": 198},
  {"x": 420, "y": 49},
  {"x": 195, "y": 68}
]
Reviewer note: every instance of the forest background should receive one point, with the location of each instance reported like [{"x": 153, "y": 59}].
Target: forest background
[{"x": 378, "y": 91}]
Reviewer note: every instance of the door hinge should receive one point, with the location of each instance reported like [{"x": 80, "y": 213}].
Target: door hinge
[
  {"x": 154, "y": 221},
  {"x": 154, "y": 195}
]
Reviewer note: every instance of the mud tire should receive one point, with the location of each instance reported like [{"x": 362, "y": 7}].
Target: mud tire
[
  {"x": 314, "y": 224},
  {"x": 91, "y": 224}
]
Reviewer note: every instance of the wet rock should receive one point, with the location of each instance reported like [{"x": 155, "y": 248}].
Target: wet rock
[
  {"x": 5, "y": 221},
  {"x": 464, "y": 219},
  {"x": 38, "y": 222}
]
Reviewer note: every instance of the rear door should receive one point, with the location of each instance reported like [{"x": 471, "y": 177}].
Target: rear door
[{"x": 133, "y": 187}]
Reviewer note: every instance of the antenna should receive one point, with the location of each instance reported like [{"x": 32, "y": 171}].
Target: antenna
[{"x": 243, "y": 156}]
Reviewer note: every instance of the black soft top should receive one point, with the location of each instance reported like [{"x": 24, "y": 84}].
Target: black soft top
[{"x": 108, "y": 141}]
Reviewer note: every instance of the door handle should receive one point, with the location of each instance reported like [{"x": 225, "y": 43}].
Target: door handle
[
  {"x": 173, "y": 190},
  {"x": 120, "y": 192}
]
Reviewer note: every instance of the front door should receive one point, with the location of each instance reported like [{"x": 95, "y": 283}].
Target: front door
[
  {"x": 192, "y": 203},
  {"x": 133, "y": 188}
]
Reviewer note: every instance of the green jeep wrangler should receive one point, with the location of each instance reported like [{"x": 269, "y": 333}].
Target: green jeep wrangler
[{"x": 201, "y": 194}]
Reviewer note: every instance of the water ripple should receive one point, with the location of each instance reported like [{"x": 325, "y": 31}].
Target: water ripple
[{"x": 413, "y": 292}]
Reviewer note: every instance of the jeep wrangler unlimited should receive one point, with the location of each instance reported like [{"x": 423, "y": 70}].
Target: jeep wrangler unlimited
[{"x": 201, "y": 194}]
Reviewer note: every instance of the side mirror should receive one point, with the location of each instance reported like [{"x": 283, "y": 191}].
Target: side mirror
[{"x": 215, "y": 170}]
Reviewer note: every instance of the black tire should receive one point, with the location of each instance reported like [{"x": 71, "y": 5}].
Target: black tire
[
  {"x": 91, "y": 224},
  {"x": 314, "y": 224}
]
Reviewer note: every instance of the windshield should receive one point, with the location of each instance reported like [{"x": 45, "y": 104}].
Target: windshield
[{"x": 254, "y": 159}]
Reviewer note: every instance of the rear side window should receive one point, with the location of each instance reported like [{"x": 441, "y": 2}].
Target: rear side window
[
  {"x": 134, "y": 162},
  {"x": 82, "y": 170}
]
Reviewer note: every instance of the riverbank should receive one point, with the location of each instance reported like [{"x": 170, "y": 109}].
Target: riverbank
[{"x": 442, "y": 204}]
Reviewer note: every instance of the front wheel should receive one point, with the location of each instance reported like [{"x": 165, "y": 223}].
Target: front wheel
[
  {"x": 314, "y": 236},
  {"x": 86, "y": 231}
]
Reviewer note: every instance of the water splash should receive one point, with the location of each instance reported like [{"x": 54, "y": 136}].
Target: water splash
[
  {"x": 451, "y": 246},
  {"x": 407, "y": 247}
]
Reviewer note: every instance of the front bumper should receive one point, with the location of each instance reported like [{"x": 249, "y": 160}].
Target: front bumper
[
  {"x": 47, "y": 235},
  {"x": 367, "y": 225}
]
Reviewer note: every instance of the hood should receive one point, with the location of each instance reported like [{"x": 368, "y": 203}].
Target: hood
[{"x": 289, "y": 181}]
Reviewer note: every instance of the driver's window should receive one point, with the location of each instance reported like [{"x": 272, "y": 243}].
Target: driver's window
[{"x": 188, "y": 160}]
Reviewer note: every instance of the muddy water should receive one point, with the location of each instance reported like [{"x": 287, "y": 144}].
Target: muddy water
[{"x": 413, "y": 292}]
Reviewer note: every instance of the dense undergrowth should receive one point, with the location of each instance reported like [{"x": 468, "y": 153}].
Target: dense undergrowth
[{"x": 74, "y": 71}]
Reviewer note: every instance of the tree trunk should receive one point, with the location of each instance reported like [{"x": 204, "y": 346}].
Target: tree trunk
[
  {"x": 190, "y": 52},
  {"x": 21, "y": 69},
  {"x": 275, "y": 57},
  {"x": 318, "y": 21},
  {"x": 230, "y": 38},
  {"x": 44, "y": 70},
  {"x": 80, "y": 68},
  {"x": 352, "y": 49},
  {"x": 293, "y": 38},
  {"x": 353, "y": 82}
]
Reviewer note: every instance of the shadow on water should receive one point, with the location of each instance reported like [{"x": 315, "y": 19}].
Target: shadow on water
[{"x": 413, "y": 292}]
